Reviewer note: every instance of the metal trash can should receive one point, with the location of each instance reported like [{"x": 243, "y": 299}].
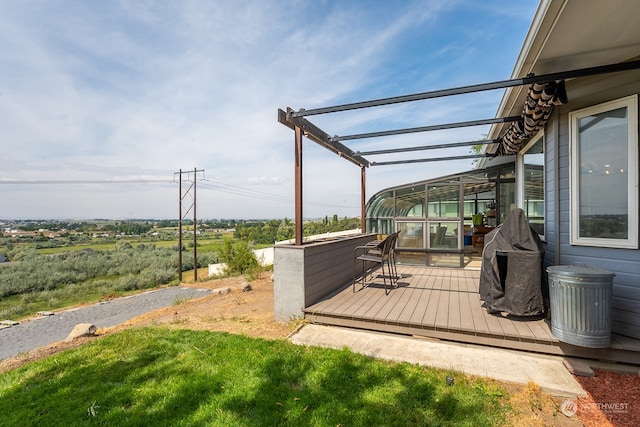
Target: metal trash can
[{"x": 580, "y": 299}]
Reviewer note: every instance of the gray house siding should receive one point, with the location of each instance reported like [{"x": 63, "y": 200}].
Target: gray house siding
[
  {"x": 551, "y": 192},
  {"x": 624, "y": 262}
]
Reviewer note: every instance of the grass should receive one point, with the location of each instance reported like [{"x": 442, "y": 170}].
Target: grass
[
  {"x": 157, "y": 376},
  {"x": 25, "y": 305}
]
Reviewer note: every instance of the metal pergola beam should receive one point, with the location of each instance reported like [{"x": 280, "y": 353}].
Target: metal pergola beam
[
  {"x": 295, "y": 120},
  {"x": 501, "y": 84},
  {"x": 431, "y": 159},
  {"x": 428, "y": 128},
  {"x": 429, "y": 147},
  {"x": 319, "y": 136}
]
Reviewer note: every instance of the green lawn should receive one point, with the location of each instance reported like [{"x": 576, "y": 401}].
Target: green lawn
[
  {"x": 156, "y": 376},
  {"x": 27, "y": 305}
]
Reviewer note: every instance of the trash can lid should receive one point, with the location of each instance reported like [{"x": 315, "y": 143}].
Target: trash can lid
[{"x": 580, "y": 271}]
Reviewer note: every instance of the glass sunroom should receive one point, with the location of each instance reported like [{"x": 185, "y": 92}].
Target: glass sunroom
[{"x": 443, "y": 220}]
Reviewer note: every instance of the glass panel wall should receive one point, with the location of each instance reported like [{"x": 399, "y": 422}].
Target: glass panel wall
[
  {"x": 415, "y": 257},
  {"x": 507, "y": 200},
  {"x": 436, "y": 217},
  {"x": 505, "y": 191},
  {"x": 410, "y": 201},
  {"x": 381, "y": 206},
  {"x": 411, "y": 234},
  {"x": 533, "y": 181},
  {"x": 444, "y": 199},
  {"x": 380, "y": 214},
  {"x": 380, "y": 226},
  {"x": 479, "y": 198},
  {"x": 444, "y": 259},
  {"x": 444, "y": 235}
]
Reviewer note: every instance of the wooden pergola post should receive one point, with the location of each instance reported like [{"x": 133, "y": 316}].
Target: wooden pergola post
[
  {"x": 363, "y": 201},
  {"x": 298, "y": 185},
  {"x": 302, "y": 127}
]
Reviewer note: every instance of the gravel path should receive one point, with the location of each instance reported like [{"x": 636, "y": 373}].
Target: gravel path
[{"x": 41, "y": 331}]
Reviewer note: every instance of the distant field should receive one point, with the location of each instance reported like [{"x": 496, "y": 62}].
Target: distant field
[
  {"x": 204, "y": 245},
  {"x": 93, "y": 246}
]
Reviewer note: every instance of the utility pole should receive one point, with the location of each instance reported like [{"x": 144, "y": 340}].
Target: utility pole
[{"x": 190, "y": 176}]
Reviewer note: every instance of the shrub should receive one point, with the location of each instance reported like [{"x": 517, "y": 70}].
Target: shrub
[{"x": 238, "y": 257}]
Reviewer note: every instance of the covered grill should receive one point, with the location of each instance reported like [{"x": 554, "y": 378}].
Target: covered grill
[{"x": 511, "y": 274}]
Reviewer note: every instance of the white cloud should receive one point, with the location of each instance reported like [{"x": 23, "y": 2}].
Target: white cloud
[
  {"x": 101, "y": 90},
  {"x": 265, "y": 180}
]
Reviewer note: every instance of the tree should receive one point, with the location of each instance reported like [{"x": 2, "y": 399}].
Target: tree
[
  {"x": 478, "y": 149},
  {"x": 239, "y": 257}
]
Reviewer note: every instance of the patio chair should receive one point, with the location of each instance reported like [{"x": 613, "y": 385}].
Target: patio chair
[
  {"x": 377, "y": 252},
  {"x": 392, "y": 248},
  {"x": 393, "y": 240}
]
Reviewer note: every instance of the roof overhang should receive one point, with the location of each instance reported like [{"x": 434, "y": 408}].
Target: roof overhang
[{"x": 566, "y": 35}]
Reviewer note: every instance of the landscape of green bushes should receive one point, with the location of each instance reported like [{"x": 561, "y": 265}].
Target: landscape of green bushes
[
  {"x": 60, "y": 264},
  {"x": 35, "y": 282}
]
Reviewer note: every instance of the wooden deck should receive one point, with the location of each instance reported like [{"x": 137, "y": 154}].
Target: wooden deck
[{"x": 444, "y": 304}]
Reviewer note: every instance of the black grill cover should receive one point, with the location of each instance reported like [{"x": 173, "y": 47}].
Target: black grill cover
[{"x": 511, "y": 274}]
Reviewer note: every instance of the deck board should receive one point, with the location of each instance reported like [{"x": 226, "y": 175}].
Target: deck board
[
  {"x": 542, "y": 333},
  {"x": 450, "y": 304},
  {"x": 335, "y": 305},
  {"x": 422, "y": 295},
  {"x": 467, "y": 294},
  {"x": 416, "y": 299},
  {"x": 428, "y": 298},
  {"x": 407, "y": 292},
  {"x": 444, "y": 304},
  {"x": 431, "y": 306}
]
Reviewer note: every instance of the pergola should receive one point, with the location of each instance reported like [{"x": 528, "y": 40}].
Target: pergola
[{"x": 543, "y": 93}]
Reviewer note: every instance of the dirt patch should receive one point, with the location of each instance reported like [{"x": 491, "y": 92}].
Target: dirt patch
[
  {"x": 251, "y": 313},
  {"x": 534, "y": 408},
  {"x": 248, "y": 313}
]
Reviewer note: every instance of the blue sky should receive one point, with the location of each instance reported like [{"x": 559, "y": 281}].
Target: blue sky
[{"x": 101, "y": 102}]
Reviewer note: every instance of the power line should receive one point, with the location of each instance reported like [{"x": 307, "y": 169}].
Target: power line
[
  {"x": 234, "y": 189},
  {"x": 205, "y": 185},
  {"x": 242, "y": 191},
  {"x": 83, "y": 181},
  {"x": 191, "y": 192}
]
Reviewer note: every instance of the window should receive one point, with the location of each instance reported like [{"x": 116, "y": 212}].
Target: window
[
  {"x": 444, "y": 234},
  {"x": 410, "y": 202},
  {"x": 604, "y": 173},
  {"x": 531, "y": 184},
  {"x": 411, "y": 234},
  {"x": 444, "y": 199}
]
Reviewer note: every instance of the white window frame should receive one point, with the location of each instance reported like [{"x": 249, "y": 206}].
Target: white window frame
[
  {"x": 520, "y": 176},
  {"x": 631, "y": 103}
]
